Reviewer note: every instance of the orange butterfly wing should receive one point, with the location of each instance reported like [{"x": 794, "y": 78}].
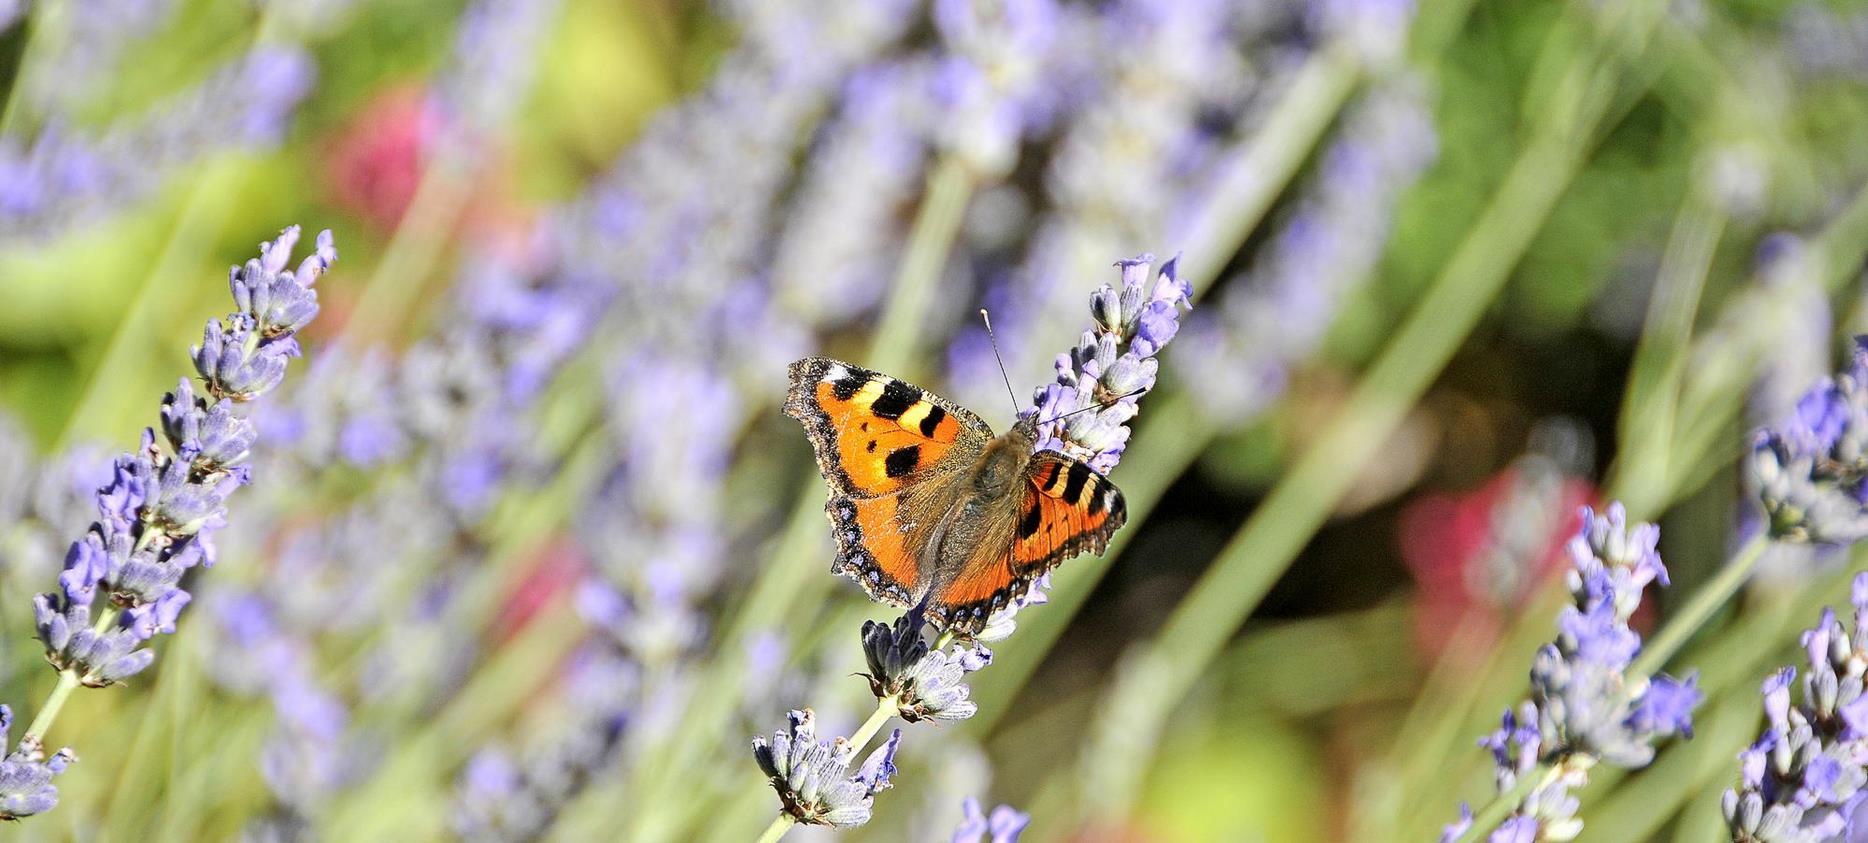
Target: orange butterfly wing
[
  {"x": 880, "y": 443},
  {"x": 1068, "y": 508}
]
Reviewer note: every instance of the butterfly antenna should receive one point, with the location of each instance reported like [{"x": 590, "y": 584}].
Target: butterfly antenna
[
  {"x": 1097, "y": 406},
  {"x": 983, "y": 315}
]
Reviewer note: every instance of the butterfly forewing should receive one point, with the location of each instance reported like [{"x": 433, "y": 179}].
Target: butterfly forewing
[
  {"x": 874, "y": 434},
  {"x": 892, "y": 454}
]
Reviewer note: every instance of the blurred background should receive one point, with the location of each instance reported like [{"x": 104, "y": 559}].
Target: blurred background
[{"x": 531, "y": 552}]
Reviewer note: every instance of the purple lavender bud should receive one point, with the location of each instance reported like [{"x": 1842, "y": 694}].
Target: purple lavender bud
[
  {"x": 1804, "y": 777},
  {"x": 1004, "y": 826},
  {"x": 219, "y": 438},
  {"x": 1111, "y": 365}
]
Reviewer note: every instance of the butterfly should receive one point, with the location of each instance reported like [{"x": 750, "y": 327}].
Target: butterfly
[{"x": 930, "y": 509}]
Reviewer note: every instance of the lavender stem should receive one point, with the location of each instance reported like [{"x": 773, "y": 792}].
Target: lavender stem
[
  {"x": 1504, "y": 803},
  {"x": 777, "y": 829},
  {"x": 1704, "y": 602},
  {"x": 885, "y": 708}
]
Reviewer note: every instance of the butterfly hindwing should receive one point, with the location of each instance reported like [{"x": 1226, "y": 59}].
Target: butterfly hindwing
[
  {"x": 1068, "y": 508},
  {"x": 875, "y": 435}
]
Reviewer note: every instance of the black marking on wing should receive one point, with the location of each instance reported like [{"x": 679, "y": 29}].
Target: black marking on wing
[
  {"x": 901, "y": 462},
  {"x": 895, "y": 400}
]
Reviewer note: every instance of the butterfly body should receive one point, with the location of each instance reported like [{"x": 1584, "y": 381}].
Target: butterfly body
[{"x": 930, "y": 508}]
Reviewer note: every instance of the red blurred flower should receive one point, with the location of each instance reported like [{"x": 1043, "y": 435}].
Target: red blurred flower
[
  {"x": 1478, "y": 555},
  {"x": 376, "y": 160}
]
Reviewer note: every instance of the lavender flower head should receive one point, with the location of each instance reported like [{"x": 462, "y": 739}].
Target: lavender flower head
[
  {"x": 157, "y": 513},
  {"x": 1003, "y": 826},
  {"x": 1112, "y": 364},
  {"x": 924, "y": 683},
  {"x": 1585, "y": 707},
  {"x": 1803, "y": 778},
  {"x": 26, "y": 774},
  {"x": 1811, "y": 470},
  {"x": 813, "y": 777}
]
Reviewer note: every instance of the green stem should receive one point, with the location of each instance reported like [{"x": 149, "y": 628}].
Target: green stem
[
  {"x": 1503, "y": 804},
  {"x": 1697, "y": 610},
  {"x": 885, "y": 709},
  {"x": 400, "y": 276},
  {"x": 130, "y": 341},
  {"x": 1317, "y": 93},
  {"x": 67, "y": 682},
  {"x": 776, "y": 831},
  {"x": 898, "y": 334}
]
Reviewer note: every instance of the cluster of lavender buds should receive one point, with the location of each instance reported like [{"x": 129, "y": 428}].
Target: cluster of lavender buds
[
  {"x": 923, "y": 683},
  {"x": 26, "y": 774},
  {"x": 1811, "y": 471},
  {"x": 1802, "y": 780},
  {"x": 158, "y": 512},
  {"x": 813, "y": 777},
  {"x": 1113, "y": 364},
  {"x": 1585, "y": 707},
  {"x": 1104, "y": 375},
  {"x": 1003, "y": 826}
]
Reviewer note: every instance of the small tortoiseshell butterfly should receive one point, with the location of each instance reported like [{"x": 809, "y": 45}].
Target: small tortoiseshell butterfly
[{"x": 931, "y": 509}]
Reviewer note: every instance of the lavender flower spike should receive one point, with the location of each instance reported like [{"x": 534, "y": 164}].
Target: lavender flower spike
[
  {"x": 1113, "y": 364},
  {"x": 1585, "y": 708},
  {"x": 1811, "y": 471},
  {"x": 26, "y": 775},
  {"x": 157, "y": 514},
  {"x": 1803, "y": 779},
  {"x": 813, "y": 777}
]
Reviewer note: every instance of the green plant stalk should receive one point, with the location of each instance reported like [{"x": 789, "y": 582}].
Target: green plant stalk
[
  {"x": 885, "y": 709},
  {"x": 413, "y": 250},
  {"x": 1264, "y": 168},
  {"x": 1683, "y": 623},
  {"x": 776, "y": 831},
  {"x": 1270, "y": 540},
  {"x": 204, "y": 213},
  {"x": 1839, "y": 247},
  {"x": 1660, "y": 358}
]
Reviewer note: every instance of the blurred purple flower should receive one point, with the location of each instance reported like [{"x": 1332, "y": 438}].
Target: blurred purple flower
[
  {"x": 52, "y": 180},
  {"x": 1004, "y": 826}
]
